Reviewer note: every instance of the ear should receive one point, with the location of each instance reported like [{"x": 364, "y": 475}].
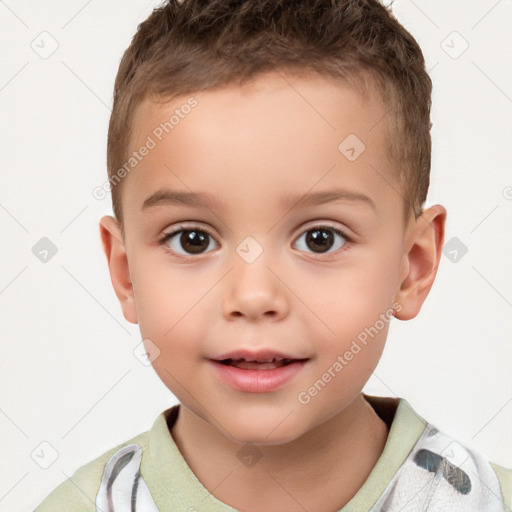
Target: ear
[
  {"x": 114, "y": 248},
  {"x": 425, "y": 244}
]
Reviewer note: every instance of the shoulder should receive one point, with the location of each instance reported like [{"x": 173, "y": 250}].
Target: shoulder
[
  {"x": 79, "y": 492},
  {"x": 436, "y": 469},
  {"x": 443, "y": 472},
  {"x": 505, "y": 478}
]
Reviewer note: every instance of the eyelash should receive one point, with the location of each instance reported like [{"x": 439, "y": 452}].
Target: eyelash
[{"x": 167, "y": 236}]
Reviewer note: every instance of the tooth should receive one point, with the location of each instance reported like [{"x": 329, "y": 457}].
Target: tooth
[
  {"x": 268, "y": 360},
  {"x": 254, "y": 365}
]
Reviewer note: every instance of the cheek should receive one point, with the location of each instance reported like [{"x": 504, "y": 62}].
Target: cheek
[
  {"x": 172, "y": 310},
  {"x": 354, "y": 304},
  {"x": 160, "y": 300},
  {"x": 352, "y": 297}
]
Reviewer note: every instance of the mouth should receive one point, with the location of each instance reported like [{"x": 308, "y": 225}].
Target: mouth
[
  {"x": 264, "y": 371},
  {"x": 258, "y": 364}
]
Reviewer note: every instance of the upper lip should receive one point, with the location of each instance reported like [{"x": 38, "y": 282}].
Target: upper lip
[{"x": 255, "y": 355}]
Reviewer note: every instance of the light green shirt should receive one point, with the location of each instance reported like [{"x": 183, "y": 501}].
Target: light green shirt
[{"x": 418, "y": 466}]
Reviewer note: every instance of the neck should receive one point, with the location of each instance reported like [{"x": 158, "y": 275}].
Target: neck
[{"x": 321, "y": 470}]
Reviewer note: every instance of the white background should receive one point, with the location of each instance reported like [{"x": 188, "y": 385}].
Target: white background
[{"x": 68, "y": 374}]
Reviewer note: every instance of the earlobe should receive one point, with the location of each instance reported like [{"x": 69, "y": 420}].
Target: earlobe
[
  {"x": 421, "y": 261},
  {"x": 117, "y": 259}
]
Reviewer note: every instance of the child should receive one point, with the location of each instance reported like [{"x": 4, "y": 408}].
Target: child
[{"x": 259, "y": 130}]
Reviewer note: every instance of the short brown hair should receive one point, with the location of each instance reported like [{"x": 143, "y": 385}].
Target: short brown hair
[{"x": 192, "y": 45}]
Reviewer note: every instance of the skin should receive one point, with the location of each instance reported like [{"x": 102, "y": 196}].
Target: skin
[{"x": 250, "y": 146}]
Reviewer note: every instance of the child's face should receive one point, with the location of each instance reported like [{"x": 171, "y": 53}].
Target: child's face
[{"x": 266, "y": 279}]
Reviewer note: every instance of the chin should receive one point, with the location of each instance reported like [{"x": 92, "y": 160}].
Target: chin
[{"x": 263, "y": 433}]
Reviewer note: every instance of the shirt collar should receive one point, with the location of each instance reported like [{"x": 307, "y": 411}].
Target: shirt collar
[{"x": 173, "y": 485}]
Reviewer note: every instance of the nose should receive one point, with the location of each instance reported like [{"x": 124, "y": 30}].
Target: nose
[{"x": 255, "y": 290}]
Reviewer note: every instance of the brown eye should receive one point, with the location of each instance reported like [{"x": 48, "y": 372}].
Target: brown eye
[
  {"x": 321, "y": 239},
  {"x": 191, "y": 241}
]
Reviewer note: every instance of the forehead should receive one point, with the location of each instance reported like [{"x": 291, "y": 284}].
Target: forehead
[{"x": 278, "y": 136}]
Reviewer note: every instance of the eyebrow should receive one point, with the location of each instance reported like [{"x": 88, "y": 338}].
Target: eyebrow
[{"x": 175, "y": 198}]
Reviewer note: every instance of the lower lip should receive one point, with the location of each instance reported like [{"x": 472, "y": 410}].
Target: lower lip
[{"x": 257, "y": 381}]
